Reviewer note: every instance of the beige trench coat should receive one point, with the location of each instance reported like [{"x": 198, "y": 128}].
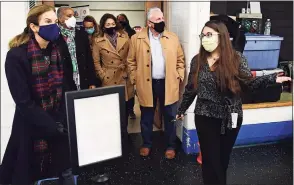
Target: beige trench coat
[
  {"x": 139, "y": 66},
  {"x": 111, "y": 63}
]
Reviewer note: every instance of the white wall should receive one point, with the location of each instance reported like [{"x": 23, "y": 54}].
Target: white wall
[
  {"x": 135, "y": 11},
  {"x": 187, "y": 20},
  {"x": 12, "y": 23}
]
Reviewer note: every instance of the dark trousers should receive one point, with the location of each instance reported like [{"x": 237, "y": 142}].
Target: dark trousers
[
  {"x": 215, "y": 148},
  {"x": 169, "y": 113},
  {"x": 59, "y": 146},
  {"x": 130, "y": 106}
]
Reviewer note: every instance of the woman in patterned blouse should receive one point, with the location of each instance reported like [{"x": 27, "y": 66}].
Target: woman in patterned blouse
[{"x": 218, "y": 75}]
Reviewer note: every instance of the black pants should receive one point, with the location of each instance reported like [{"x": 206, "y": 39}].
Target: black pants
[
  {"x": 130, "y": 106},
  {"x": 215, "y": 148},
  {"x": 169, "y": 113},
  {"x": 59, "y": 146}
]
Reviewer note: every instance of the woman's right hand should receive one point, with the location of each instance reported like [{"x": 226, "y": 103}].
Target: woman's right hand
[{"x": 180, "y": 117}]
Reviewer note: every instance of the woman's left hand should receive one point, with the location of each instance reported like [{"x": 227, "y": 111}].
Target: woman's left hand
[{"x": 281, "y": 79}]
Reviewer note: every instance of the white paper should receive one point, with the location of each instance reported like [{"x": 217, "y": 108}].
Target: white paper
[
  {"x": 255, "y": 7},
  {"x": 98, "y": 128},
  {"x": 234, "y": 120}
]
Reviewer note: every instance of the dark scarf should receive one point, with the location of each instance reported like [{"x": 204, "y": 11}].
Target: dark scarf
[
  {"x": 112, "y": 39},
  {"x": 47, "y": 74}
]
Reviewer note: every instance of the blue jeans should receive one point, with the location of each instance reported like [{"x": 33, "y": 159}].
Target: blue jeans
[{"x": 169, "y": 113}]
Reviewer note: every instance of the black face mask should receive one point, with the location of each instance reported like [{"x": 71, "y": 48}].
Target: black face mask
[
  {"x": 110, "y": 31},
  {"x": 123, "y": 23},
  {"x": 159, "y": 27}
]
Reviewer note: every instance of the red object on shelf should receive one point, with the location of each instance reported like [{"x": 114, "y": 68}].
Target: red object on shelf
[{"x": 199, "y": 157}]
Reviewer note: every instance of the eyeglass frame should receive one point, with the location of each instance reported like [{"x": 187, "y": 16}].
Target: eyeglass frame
[{"x": 208, "y": 35}]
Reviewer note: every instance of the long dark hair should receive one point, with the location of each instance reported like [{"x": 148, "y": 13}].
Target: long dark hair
[
  {"x": 103, "y": 21},
  {"x": 89, "y": 18},
  {"x": 227, "y": 66},
  {"x": 128, "y": 27}
]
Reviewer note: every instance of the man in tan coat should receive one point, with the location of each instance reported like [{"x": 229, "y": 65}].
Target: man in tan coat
[{"x": 156, "y": 66}]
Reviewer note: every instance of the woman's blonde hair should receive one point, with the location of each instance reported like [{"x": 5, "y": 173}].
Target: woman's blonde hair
[{"x": 33, "y": 17}]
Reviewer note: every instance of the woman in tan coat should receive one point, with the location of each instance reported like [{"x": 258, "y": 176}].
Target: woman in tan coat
[{"x": 110, "y": 51}]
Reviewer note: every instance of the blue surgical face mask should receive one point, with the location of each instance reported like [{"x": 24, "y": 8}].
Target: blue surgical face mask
[
  {"x": 90, "y": 31},
  {"x": 49, "y": 32}
]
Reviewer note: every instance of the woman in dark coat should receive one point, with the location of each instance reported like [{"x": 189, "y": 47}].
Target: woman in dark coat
[
  {"x": 38, "y": 147},
  {"x": 92, "y": 28},
  {"x": 124, "y": 22},
  {"x": 74, "y": 46}
]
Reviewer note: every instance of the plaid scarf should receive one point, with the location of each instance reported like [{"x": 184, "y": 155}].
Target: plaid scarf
[
  {"x": 71, "y": 44},
  {"x": 112, "y": 39},
  {"x": 47, "y": 76},
  {"x": 47, "y": 72}
]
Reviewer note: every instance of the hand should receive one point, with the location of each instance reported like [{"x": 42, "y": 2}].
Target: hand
[
  {"x": 180, "y": 117},
  {"x": 281, "y": 79},
  {"x": 92, "y": 87},
  {"x": 61, "y": 129},
  {"x": 135, "y": 90}
]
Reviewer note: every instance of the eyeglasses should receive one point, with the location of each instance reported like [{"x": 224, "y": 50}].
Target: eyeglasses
[{"x": 208, "y": 35}]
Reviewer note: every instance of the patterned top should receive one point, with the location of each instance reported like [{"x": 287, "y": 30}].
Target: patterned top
[
  {"x": 112, "y": 39},
  {"x": 210, "y": 102}
]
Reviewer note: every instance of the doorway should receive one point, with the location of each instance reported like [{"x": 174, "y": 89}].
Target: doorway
[{"x": 136, "y": 13}]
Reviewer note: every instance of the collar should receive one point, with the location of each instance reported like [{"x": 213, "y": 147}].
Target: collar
[
  {"x": 151, "y": 35},
  {"x": 121, "y": 35}
]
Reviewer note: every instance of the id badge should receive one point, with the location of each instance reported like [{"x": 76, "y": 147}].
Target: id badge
[{"x": 234, "y": 120}]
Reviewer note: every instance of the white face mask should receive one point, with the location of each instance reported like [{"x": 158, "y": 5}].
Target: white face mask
[
  {"x": 211, "y": 43},
  {"x": 71, "y": 22}
]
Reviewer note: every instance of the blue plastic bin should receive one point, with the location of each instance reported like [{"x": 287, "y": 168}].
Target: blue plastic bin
[{"x": 262, "y": 51}]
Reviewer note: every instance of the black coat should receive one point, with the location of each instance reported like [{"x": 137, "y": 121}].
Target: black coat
[
  {"x": 84, "y": 59},
  {"x": 31, "y": 122}
]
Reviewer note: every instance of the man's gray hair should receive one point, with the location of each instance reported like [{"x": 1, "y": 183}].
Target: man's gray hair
[
  {"x": 61, "y": 10},
  {"x": 151, "y": 10}
]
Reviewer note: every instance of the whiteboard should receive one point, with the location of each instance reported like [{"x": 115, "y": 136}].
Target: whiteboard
[{"x": 98, "y": 128}]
